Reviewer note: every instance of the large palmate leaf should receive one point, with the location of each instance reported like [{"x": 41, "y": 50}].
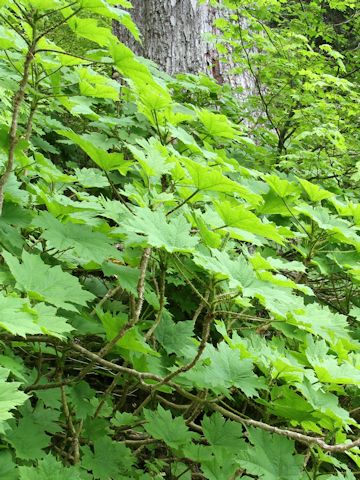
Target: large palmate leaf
[
  {"x": 28, "y": 439},
  {"x": 152, "y": 157},
  {"x": 153, "y": 96},
  {"x": 315, "y": 193},
  {"x": 340, "y": 228},
  {"x": 108, "y": 460},
  {"x": 239, "y": 272},
  {"x": 240, "y": 217},
  {"x": 174, "y": 337},
  {"x": 91, "y": 177},
  {"x": 223, "y": 433},
  {"x": 325, "y": 401},
  {"x": 106, "y": 161},
  {"x": 10, "y": 396},
  {"x": 211, "y": 179},
  {"x": 78, "y": 240},
  {"x": 328, "y": 370},
  {"x": 50, "y": 322},
  {"x": 46, "y": 283},
  {"x": 93, "y": 84},
  {"x": 47, "y": 468},
  {"x": 162, "y": 426},
  {"x": 19, "y": 319},
  {"x": 88, "y": 28},
  {"x": 131, "y": 340},
  {"x": 323, "y": 322},
  {"x": 8, "y": 469},
  {"x": 280, "y": 186},
  {"x": 226, "y": 370},
  {"x": 271, "y": 457},
  {"x": 16, "y": 316},
  {"x": 173, "y": 235},
  {"x": 222, "y": 468},
  {"x": 216, "y": 125}
]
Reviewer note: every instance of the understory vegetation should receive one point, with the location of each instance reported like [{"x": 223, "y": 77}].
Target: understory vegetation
[{"x": 179, "y": 264}]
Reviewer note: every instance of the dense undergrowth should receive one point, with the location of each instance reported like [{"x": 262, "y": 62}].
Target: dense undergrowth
[{"x": 177, "y": 299}]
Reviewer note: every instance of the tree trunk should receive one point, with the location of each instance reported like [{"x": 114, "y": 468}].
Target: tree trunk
[
  {"x": 172, "y": 35},
  {"x": 176, "y": 36}
]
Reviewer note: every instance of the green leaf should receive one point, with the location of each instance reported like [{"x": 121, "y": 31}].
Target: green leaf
[
  {"x": 314, "y": 192},
  {"x": 127, "y": 277},
  {"x": 341, "y": 229},
  {"x": 328, "y": 368},
  {"x": 211, "y": 179},
  {"x": 174, "y": 337},
  {"x": 49, "y": 172},
  {"x": 91, "y": 178},
  {"x": 329, "y": 371},
  {"x": 288, "y": 404},
  {"x": 16, "y": 316},
  {"x": 239, "y": 272},
  {"x": 8, "y": 469},
  {"x": 88, "y": 28},
  {"x": 152, "y": 157},
  {"x": 28, "y": 438},
  {"x": 92, "y": 84},
  {"x": 132, "y": 340},
  {"x": 47, "y": 468},
  {"x": 281, "y": 187},
  {"x": 173, "y": 235},
  {"x": 10, "y": 396},
  {"x": 82, "y": 398},
  {"x": 9, "y": 39},
  {"x": 209, "y": 238},
  {"x": 106, "y": 161},
  {"x": 10, "y": 238},
  {"x": 124, "y": 419},
  {"x": 78, "y": 240},
  {"x": 108, "y": 459},
  {"x": 339, "y": 476},
  {"x": 325, "y": 402},
  {"x": 44, "y": 4},
  {"x": 124, "y": 18},
  {"x": 223, "y": 433},
  {"x": 45, "y": 283},
  {"x": 50, "y": 322},
  {"x": 139, "y": 75},
  {"x": 226, "y": 370},
  {"x": 103, "y": 9},
  {"x": 323, "y": 322},
  {"x": 240, "y": 217},
  {"x": 172, "y": 431},
  {"x": 271, "y": 457},
  {"x": 216, "y": 125},
  {"x": 220, "y": 469}
]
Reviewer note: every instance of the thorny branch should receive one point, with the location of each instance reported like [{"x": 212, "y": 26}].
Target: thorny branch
[
  {"x": 13, "y": 136},
  {"x": 146, "y": 377}
]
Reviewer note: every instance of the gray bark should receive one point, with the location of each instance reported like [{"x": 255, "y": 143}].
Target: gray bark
[
  {"x": 172, "y": 35},
  {"x": 176, "y": 36}
]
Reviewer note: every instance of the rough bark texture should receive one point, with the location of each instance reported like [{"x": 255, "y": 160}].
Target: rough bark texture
[{"x": 172, "y": 34}]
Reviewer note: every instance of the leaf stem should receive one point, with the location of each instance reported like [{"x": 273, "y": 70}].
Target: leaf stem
[{"x": 183, "y": 203}]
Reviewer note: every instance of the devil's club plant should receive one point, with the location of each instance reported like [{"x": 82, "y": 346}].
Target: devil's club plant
[{"x": 167, "y": 310}]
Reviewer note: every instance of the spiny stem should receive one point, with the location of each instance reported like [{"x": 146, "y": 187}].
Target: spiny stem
[{"x": 13, "y": 137}]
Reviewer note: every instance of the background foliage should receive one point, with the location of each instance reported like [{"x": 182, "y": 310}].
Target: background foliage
[{"x": 180, "y": 264}]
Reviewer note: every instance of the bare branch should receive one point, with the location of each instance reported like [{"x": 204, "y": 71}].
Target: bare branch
[{"x": 299, "y": 437}]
